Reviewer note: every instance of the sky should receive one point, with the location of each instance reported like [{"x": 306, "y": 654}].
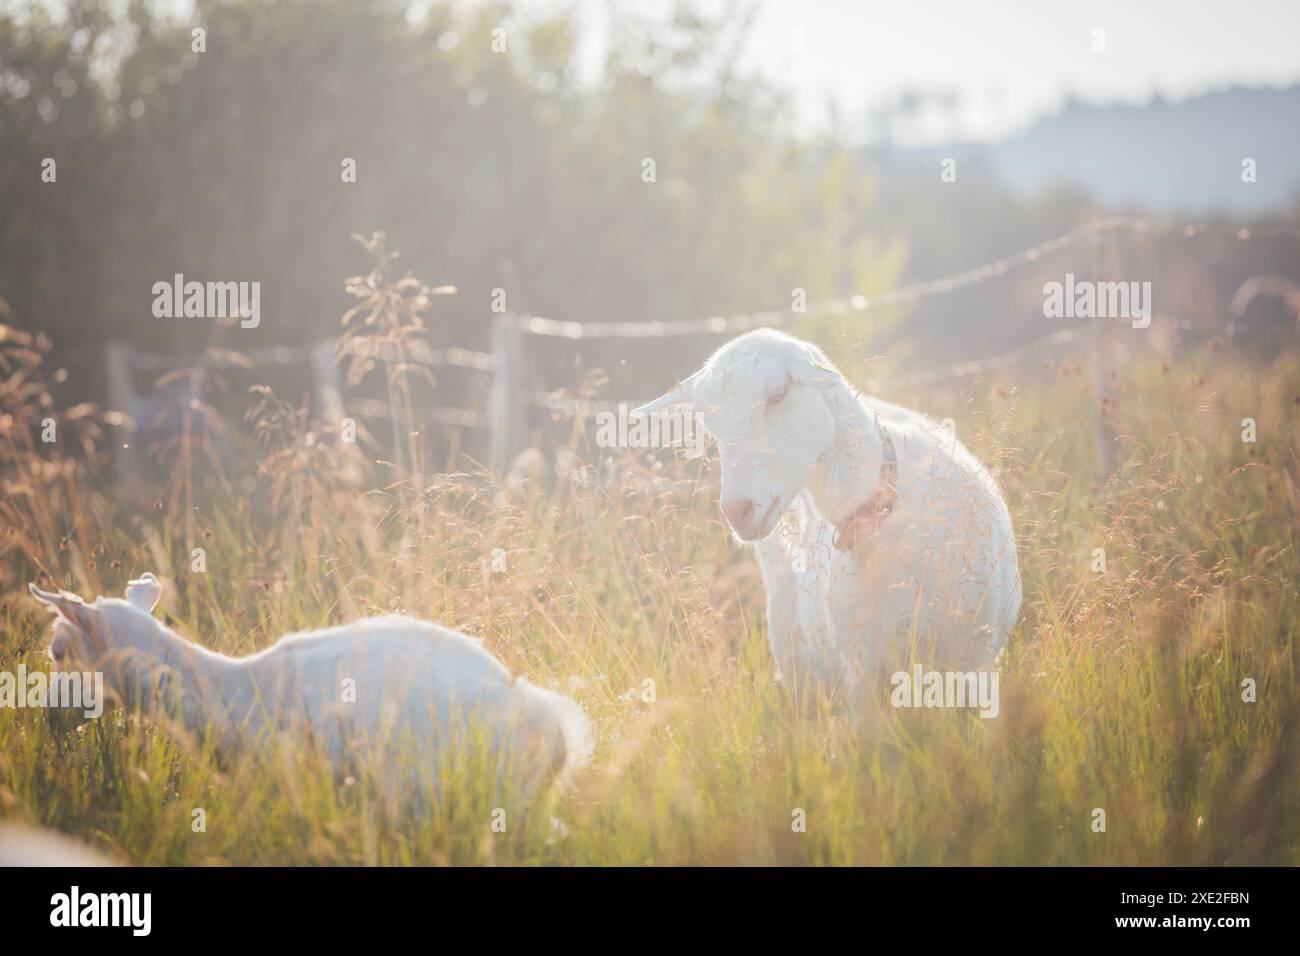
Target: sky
[{"x": 1009, "y": 61}]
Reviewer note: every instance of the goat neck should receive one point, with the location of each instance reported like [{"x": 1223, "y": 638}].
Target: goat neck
[
  {"x": 159, "y": 673},
  {"x": 848, "y": 476}
]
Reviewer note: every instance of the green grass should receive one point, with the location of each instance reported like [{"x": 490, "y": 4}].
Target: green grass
[{"x": 1122, "y": 690}]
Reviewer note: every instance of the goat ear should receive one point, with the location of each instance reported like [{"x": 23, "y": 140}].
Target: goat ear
[
  {"x": 48, "y": 598},
  {"x": 683, "y": 393},
  {"x": 144, "y": 592},
  {"x": 817, "y": 373},
  {"x": 67, "y": 605}
]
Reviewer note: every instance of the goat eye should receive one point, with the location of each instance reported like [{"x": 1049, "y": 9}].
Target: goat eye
[{"x": 776, "y": 398}]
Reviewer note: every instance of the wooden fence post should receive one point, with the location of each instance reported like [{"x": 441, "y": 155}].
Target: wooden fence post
[
  {"x": 1101, "y": 244},
  {"x": 325, "y": 381},
  {"x": 509, "y": 404},
  {"x": 121, "y": 399}
]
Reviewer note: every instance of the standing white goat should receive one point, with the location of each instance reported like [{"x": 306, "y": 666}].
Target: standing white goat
[
  {"x": 383, "y": 688},
  {"x": 896, "y": 540}
]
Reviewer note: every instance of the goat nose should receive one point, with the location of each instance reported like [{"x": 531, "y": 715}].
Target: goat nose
[{"x": 738, "y": 512}]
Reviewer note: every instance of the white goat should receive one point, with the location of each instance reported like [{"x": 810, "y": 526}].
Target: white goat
[
  {"x": 896, "y": 540},
  {"x": 29, "y": 846},
  {"x": 381, "y": 689}
]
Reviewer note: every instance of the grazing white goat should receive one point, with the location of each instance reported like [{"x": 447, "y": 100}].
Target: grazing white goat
[
  {"x": 379, "y": 689},
  {"x": 895, "y": 540}
]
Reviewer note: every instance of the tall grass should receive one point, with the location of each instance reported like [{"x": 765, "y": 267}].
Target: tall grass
[{"x": 1123, "y": 689}]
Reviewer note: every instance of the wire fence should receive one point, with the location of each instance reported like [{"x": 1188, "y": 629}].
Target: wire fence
[
  {"x": 558, "y": 403},
  {"x": 515, "y": 395},
  {"x": 776, "y": 318}
]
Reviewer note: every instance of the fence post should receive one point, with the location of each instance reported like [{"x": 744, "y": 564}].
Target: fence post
[
  {"x": 509, "y": 404},
  {"x": 325, "y": 379},
  {"x": 121, "y": 399},
  {"x": 1101, "y": 243}
]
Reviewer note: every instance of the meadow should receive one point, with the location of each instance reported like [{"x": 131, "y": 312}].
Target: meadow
[{"x": 610, "y": 575}]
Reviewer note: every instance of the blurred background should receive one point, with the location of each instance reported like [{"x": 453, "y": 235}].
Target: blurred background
[
  {"x": 475, "y": 225},
  {"x": 833, "y": 149}
]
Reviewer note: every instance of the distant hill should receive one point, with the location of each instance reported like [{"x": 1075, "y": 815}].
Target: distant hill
[{"x": 1183, "y": 157}]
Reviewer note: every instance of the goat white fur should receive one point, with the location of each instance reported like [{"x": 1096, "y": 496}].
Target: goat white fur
[
  {"x": 416, "y": 689},
  {"x": 933, "y": 574},
  {"x": 29, "y": 846}
]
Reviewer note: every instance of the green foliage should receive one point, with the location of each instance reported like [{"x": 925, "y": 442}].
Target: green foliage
[
  {"x": 1123, "y": 689},
  {"x": 487, "y": 169}
]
